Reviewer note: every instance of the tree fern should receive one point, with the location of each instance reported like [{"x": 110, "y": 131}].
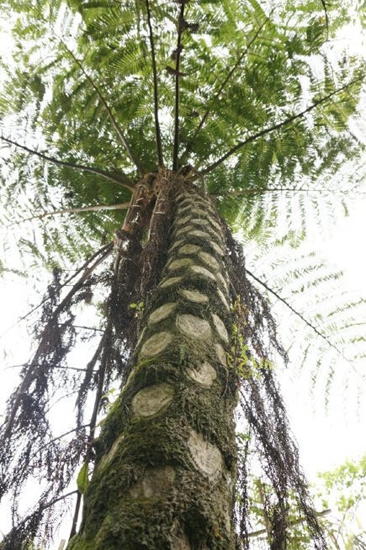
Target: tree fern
[{"x": 240, "y": 101}]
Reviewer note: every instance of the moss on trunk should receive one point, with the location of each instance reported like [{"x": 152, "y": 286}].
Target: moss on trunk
[{"x": 166, "y": 458}]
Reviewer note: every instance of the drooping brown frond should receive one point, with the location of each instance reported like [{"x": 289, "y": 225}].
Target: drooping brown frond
[
  {"x": 255, "y": 347},
  {"x": 29, "y": 452}
]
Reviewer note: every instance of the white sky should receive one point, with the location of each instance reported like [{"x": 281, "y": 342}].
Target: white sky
[{"x": 327, "y": 440}]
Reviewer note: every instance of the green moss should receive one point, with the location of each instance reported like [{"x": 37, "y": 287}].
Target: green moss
[
  {"x": 196, "y": 507},
  {"x": 153, "y": 442}
]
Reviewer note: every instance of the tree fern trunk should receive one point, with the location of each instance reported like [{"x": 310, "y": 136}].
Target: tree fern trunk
[{"x": 166, "y": 459}]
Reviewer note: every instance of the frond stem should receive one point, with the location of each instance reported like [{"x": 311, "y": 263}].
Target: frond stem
[
  {"x": 177, "y": 88},
  {"x": 121, "y": 180},
  {"x": 255, "y": 534},
  {"x": 75, "y": 517},
  {"x": 277, "y": 126},
  {"x": 293, "y": 310},
  {"x": 78, "y": 369},
  {"x": 102, "y": 347},
  {"x": 111, "y": 116},
  {"x": 62, "y": 436},
  {"x": 121, "y": 206},
  {"x": 218, "y": 93},
  {"x": 159, "y": 148},
  {"x": 239, "y": 192},
  {"x": 326, "y": 16}
]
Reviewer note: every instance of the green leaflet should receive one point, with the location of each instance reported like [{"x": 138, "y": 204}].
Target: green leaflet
[{"x": 82, "y": 480}]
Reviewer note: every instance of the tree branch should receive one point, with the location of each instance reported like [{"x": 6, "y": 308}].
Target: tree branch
[
  {"x": 277, "y": 126},
  {"x": 177, "y": 87},
  {"x": 111, "y": 116},
  {"x": 122, "y": 180},
  {"x": 156, "y": 94}
]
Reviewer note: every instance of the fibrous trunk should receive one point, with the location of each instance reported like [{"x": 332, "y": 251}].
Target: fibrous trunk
[{"x": 166, "y": 463}]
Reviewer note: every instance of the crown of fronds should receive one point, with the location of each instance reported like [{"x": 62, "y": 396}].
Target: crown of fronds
[{"x": 104, "y": 92}]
